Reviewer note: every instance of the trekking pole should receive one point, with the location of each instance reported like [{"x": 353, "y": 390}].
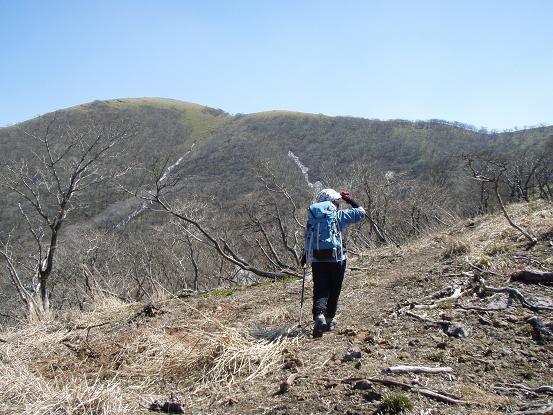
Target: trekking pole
[{"x": 302, "y": 291}]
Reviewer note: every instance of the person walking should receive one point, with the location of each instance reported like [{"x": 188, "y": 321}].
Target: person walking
[{"x": 325, "y": 251}]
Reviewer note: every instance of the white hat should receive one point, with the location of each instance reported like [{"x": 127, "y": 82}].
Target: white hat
[{"x": 329, "y": 195}]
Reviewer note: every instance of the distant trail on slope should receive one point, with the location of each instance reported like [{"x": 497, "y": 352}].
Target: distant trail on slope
[{"x": 317, "y": 186}]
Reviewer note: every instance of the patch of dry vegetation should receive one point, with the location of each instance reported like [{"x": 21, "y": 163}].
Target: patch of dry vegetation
[{"x": 106, "y": 361}]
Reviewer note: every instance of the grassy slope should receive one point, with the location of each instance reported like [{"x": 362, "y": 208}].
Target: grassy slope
[
  {"x": 210, "y": 350},
  {"x": 199, "y": 118}
]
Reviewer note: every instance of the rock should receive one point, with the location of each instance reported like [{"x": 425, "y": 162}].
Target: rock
[
  {"x": 414, "y": 343},
  {"x": 369, "y": 339},
  {"x": 442, "y": 345},
  {"x": 483, "y": 321},
  {"x": 457, "y": 330},
  {"x": 348, "y": 331},
  {"x": 292, "y": 363},
  {"x": 363, "y": 385},
  {"x": 500, "y": 323},
  {"x": 167, "y": 407},
  {"x": 372, "y": 396},
  {"x": 351, "y": 355}
]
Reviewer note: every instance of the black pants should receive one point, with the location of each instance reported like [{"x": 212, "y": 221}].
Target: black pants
[{"x": 327, "y": 284}]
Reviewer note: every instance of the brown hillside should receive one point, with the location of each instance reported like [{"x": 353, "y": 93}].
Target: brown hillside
[{"x": 230, "y": 354}]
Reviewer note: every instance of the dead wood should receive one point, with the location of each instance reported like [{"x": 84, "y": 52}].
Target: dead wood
[
  {"x": 547, "y": 389},
  {"x": 149, "y": 310},
  {"x": 451, "y": 328},
  {"x": 358, "y": 269},
  {"x": 457, "y": 293},
  {"x": 482, "y": 270},
  {"x": 479, "y": 309},
  {"x": 441, "y": 396},
  {"x": 513, "y": 293},
  {"x": 532, "y": 277},
  {"x": 415, "y": 369}
]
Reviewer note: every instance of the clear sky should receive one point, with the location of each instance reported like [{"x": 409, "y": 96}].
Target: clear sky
[{"x": 486, "y": 63}]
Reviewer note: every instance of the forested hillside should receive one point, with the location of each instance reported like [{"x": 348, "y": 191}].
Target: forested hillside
[{"x": 233, "y": 192}]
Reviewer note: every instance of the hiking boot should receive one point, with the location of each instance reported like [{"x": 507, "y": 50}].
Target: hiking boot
[
  {"x": 320, "y": 326},
  {"x": 330, "y": 323}
]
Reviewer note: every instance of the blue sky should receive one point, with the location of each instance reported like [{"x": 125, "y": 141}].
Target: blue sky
[{"x": 485, "y": 63}]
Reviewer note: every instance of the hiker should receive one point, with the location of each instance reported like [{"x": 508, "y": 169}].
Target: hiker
[{"x": 324, "y": 250}]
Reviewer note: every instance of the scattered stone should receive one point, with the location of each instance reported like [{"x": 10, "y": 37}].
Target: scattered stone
[
  {"x": 348, "y": 331},
  {"x": 369, "y": 339},
  {"x": 363, "y": 385},
  {"x": 331, "y": 385},
  {"x": 484, "y": 321},
  {"x": 231, "y": 401},
  {"x": 457, "y": 330},
  {"x": 167, "y": 407},
  {"x": 351, "y": 355},
  {"x": 414, "y": 343},
  {"x": 372, "y": 396},
  {"x": 442, "y": 345},
  {"x": 292, "y": 363},
  {"x": 500, "y": 323},
  {"x": 446, "y": 317}
]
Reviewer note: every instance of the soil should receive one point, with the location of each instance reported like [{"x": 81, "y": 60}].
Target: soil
[{"x": 496, "y": 350}]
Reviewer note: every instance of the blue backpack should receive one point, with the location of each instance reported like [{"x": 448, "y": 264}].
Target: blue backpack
[{"x": 323, "y": 240}]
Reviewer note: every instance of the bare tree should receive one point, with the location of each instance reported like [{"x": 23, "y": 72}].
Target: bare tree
[
  {"x": 66, "y": 162},
  {"x": 161, "y": 197},
  {"x": 488, "y": 169}
]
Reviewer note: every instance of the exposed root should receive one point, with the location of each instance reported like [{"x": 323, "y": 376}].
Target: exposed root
[
  {"x": 544, "y": 389},
  {"x": 513, "y": 293},
  {"x": 450, "y": 328}
]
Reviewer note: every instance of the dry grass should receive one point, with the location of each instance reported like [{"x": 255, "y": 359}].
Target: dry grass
[
  {"x": 23, "y": 391},
  {"x": 81, "y": 364},
  {"x": 454, "y": 247}
]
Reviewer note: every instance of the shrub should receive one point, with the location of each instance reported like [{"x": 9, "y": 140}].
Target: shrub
[
  {"x": 395, "y": 404},
  {"x": 496, "y": 248}
]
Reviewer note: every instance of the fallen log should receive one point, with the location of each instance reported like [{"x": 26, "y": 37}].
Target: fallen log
[
  {"x": 532, "y": 277},
  {"x": 415, "y": 369}
]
